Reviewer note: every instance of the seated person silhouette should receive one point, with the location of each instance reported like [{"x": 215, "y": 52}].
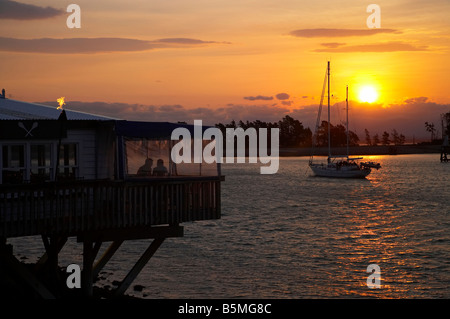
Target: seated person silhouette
[
  {"x": 160, "y": 169},
  {"x": 146, "y": 169}
]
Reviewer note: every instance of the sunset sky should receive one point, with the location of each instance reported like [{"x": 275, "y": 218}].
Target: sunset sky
[{"x": 219, "y": 60}]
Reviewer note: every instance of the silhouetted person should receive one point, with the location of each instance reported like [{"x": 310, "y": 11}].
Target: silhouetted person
[
  {"x": 160, "y": 169},
  {"x": 146, "y": 169}
]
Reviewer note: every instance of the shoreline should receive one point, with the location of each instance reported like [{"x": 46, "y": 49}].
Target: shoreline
[{"x": 363, "y": 150}]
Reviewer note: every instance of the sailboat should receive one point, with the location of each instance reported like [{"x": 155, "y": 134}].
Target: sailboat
[{"x": 342, "y": 166}]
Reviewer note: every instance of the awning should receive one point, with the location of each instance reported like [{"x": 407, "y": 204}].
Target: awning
[{"x": 152, "y": 130}]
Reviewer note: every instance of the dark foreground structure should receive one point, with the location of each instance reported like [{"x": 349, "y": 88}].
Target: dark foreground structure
[{"x": 68, "y": 174}]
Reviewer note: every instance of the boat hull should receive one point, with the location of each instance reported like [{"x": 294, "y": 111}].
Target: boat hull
[{"x": 327, "y": 171}]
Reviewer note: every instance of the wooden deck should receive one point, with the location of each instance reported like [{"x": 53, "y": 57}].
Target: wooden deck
[{"x": 80, "y": 207}]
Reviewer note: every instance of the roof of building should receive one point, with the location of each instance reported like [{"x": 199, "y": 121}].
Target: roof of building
[
  {"x": 22, "y": 111},
  {"x": 19, "y": 110}
]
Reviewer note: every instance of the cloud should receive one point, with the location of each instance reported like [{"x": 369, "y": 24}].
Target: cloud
[
  {"x": 415, "y": 100},
  {"x": 331, "y": 33},
  {"x": 21, "y": 11},
  {"x": 258, "y": 97},
  {"x": 92, "y": 45},
  {"x": 73, "y": 45},
  {"x": 178, "y": 113},
  {"x": 282, "y": 96},
  {"x": 332, "y": 45},
  {"x": 376, "y": 47},
  {"x": 186, "y": 41},
  {"x": 407, "y": 117}
]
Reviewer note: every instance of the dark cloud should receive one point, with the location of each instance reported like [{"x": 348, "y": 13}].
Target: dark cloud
[
  {"x": 258, "y": 97},
  {"x": 407, "y": 117},
  {"x": 330, "y": 33},
  {"x": 186, "y": 41},
  {"x": 415, "y": 100},
  {"x": 332, "y": 45},
  {"x": 282, "y": 96},
  {"x": 73, "y": 45},
  {"x": 375, "y": 47},
  {"x": 176, "y": 113},
  {"x": 92, "y": 45},
  {"x": 21, "y": 11}
]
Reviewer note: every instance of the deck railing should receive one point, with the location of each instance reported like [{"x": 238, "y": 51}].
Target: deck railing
[{"x": 86, "y": 206}]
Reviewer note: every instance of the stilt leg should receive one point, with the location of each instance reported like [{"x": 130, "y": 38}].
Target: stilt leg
[{"x": 134, "y": 272}]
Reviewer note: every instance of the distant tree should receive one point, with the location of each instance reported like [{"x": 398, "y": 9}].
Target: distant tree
[
  {"x": 376, "y": 140},
  {"x": 292, "y": 132},
  {"x": 430, "y": 128},
  {"x": 338, "y": 135},
  {"x": 395, "y": 137},
  {"x": 322, "y": 134},
  {"x": 385, "y": 138},
  {"x": 368, "y": 139},
  {"x": 398, "y": 139},
  {"x": 353, "y": 138}
]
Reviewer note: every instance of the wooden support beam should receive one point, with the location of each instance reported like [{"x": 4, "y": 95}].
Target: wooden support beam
[
  {"x": 134, "y": 272},
  {"x": 109, "y": 252},
  {"x": 96, "y": 248},
  {"x": 25, "y": 275},
  {"x": 87, "y": 279},
  {"x": 61, "y": 241}
]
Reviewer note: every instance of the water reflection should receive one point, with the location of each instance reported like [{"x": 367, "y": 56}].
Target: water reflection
[{"x": 290, "y": 235}]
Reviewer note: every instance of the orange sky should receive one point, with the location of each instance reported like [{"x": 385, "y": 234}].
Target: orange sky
[{"x": 210, "y": 54}]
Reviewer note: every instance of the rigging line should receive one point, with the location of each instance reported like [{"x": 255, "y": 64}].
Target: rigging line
[
  {"x": 314, "y": 137},
  {"x": 306, "y": 170}
]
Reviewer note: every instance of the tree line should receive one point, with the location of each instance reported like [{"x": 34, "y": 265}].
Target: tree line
[
  {"x": 394, "y": 137},
  {"x": 445, "y": 123},
  {"x": 294, "y": 134},
  {"x": 292, "y": 131}
]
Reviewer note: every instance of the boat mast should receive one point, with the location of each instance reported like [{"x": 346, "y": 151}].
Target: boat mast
[
  {"x": 346, "y": 101},
  {"x": 329, "y": 129}
]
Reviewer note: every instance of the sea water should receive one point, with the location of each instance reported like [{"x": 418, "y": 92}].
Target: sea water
[{"x": 292, "y": 235}]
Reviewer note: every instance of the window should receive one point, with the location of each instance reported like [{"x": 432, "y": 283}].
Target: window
[
  {"x": 40, "y": 156},
  {"x": 147, "y": 158},
  {"x": 152, "y": 158},
  {"x": 13, "y": 170},
  {"x": 68, "y": 162}
]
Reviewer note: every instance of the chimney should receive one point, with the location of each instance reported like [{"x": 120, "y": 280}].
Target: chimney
[{"x": 3, "y": 96}]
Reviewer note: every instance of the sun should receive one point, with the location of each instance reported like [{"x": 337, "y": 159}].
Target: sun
[{"x": 368, "y": 94}]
